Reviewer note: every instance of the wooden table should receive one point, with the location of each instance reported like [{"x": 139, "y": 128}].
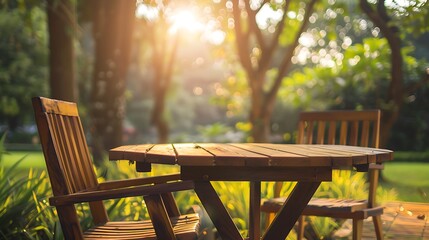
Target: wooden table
[{"x": 309, "y": 165}]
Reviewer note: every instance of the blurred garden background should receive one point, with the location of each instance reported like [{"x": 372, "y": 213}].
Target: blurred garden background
[{"x": 207, "y": 71}]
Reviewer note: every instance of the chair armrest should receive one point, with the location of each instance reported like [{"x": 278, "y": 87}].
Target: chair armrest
[
  {"x": 108, "y": 185},
  {"x": 97, "y": 195}
]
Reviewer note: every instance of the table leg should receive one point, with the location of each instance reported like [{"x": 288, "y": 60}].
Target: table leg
[
  {"x": 216, "y": 210},
  {"x": 255, "y": 210},
  {"x": 291, "y": 210}
]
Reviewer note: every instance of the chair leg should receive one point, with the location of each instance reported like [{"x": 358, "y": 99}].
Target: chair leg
[
  {"x": 269, "y": 217},
  {"x": 378, "y": 226},
  {"x": 301, "y": 226},
  {"x": 357, "y": 229}
]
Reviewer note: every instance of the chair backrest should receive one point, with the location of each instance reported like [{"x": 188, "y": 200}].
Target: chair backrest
[
  {"x": 65, "y": 149},
  {"x": 344, "y": 127},
  {"x": 356, "y": 128}
]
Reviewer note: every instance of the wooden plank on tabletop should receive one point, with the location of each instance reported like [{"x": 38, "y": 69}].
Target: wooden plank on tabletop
[
  {"x": 290, "y": 155},
  {"x": 253, "y": 159},
  {"x": 130, "y": 152},
  {"x": 193, "y": 155},
  {"x": 231, "y": 155},
  {"x": 138, "y": 152},
  {"x": 334, "y": 159},
  {"x": 118, "y": 152},
  {"x": 161, "y": 153},
  {"x": 276, "y": 158},
  {"x": 341, "y": 151},
  {"x": 382, "y": 155},
  {"x": 358, "y": 155},
  {"x": 223, "y": 155}
]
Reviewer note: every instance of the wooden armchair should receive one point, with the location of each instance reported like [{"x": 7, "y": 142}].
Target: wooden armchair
[
  {"x": 357, "y": 128},
  {"x": 73, "y": 180}
]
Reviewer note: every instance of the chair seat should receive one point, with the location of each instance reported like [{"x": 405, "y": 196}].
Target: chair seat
[
  {"x": 185, "y": 227},
  {"x": 331, "y": 207}
]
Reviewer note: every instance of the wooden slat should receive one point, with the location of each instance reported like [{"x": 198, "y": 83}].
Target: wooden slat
[
  {"x": 117, "y": 153},
  {"x": 344, "y": 115},
  {"x": 60, "y": 148},
  {"x": 252, "y": 158},
  {"x": 277, "y": 157},
  {"x": 80, "y": 166},
  {"x": 358, "y": 155},
  {"x": 224, "y": 155},
  {"x": 59, "y": 107},
  {"x": 90, "y": 196},
  {"x": 301, "y": 132},
  {"x": 130, "y": 152},
  {"x": 185, "y": 227},
  {"x": 321, "y": 132},
  {"x": 84, "y": 151},
  {"x": 293, "y": 155},
  {"x": 343, "y": 133},
  {"x": 381, "y": 155},
  {"x": 191, "y": 154},
  {"x": 310, "y": 127},
  {"x": 161, "y": 153},
  {"x": 341, "y": 156},
  {"x": 332, "y": 132},
  {"x": 354, "y": 133},
  {"x": 365, "y": 134}
]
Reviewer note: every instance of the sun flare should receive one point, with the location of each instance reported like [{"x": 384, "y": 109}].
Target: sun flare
[{"x": 185, "y": 20}]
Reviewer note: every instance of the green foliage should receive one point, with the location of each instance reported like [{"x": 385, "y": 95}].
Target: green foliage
[
  {"x": 214, "y": 132},
  {"x": 24, "y": 211},
  {"x": 359, "y": 82},
  {"x": 23, "y": 63},
  {"x": 2, "y": 149}
]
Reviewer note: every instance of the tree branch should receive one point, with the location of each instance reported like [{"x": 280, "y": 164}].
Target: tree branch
[
  {"x": 413, "y": 87},
  {"x": 266, "y": 57},
  {"x": 242, "y": 40},
  {"x": 253, "y": 26},
  {"x": 290, "y": 52}
]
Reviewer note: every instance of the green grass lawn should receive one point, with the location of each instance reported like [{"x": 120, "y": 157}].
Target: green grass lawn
[
  {"x": 409, "y": 179},
  {"x": 32, "y": 159}
]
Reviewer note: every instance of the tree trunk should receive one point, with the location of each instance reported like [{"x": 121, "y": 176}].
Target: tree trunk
[
  {"x": 113, "y": 28},
  {"x": 158, "y": 113},
  {"x": 164, "y": 51},
  {"x": 62, "y": 28},
  {"x": 248, "y": 36}
]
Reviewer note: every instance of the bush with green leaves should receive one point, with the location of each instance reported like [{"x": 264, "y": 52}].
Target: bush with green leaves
[{"x": 24, "y": 210}]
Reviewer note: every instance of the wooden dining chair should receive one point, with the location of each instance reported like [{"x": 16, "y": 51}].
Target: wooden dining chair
[
  {"x": 73, "y": 181},
  {"x": 357, "y": 128}
]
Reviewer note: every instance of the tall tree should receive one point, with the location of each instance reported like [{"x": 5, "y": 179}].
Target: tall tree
[
  {"x": 23, "y": 62},
  {"x": 259, "y": 48},
  {"x": 163, "y": 51},
  {"x": 398, "y": 90},
  {"x": 62, "y": 26},
  {"x": 112, "y": 31}
]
